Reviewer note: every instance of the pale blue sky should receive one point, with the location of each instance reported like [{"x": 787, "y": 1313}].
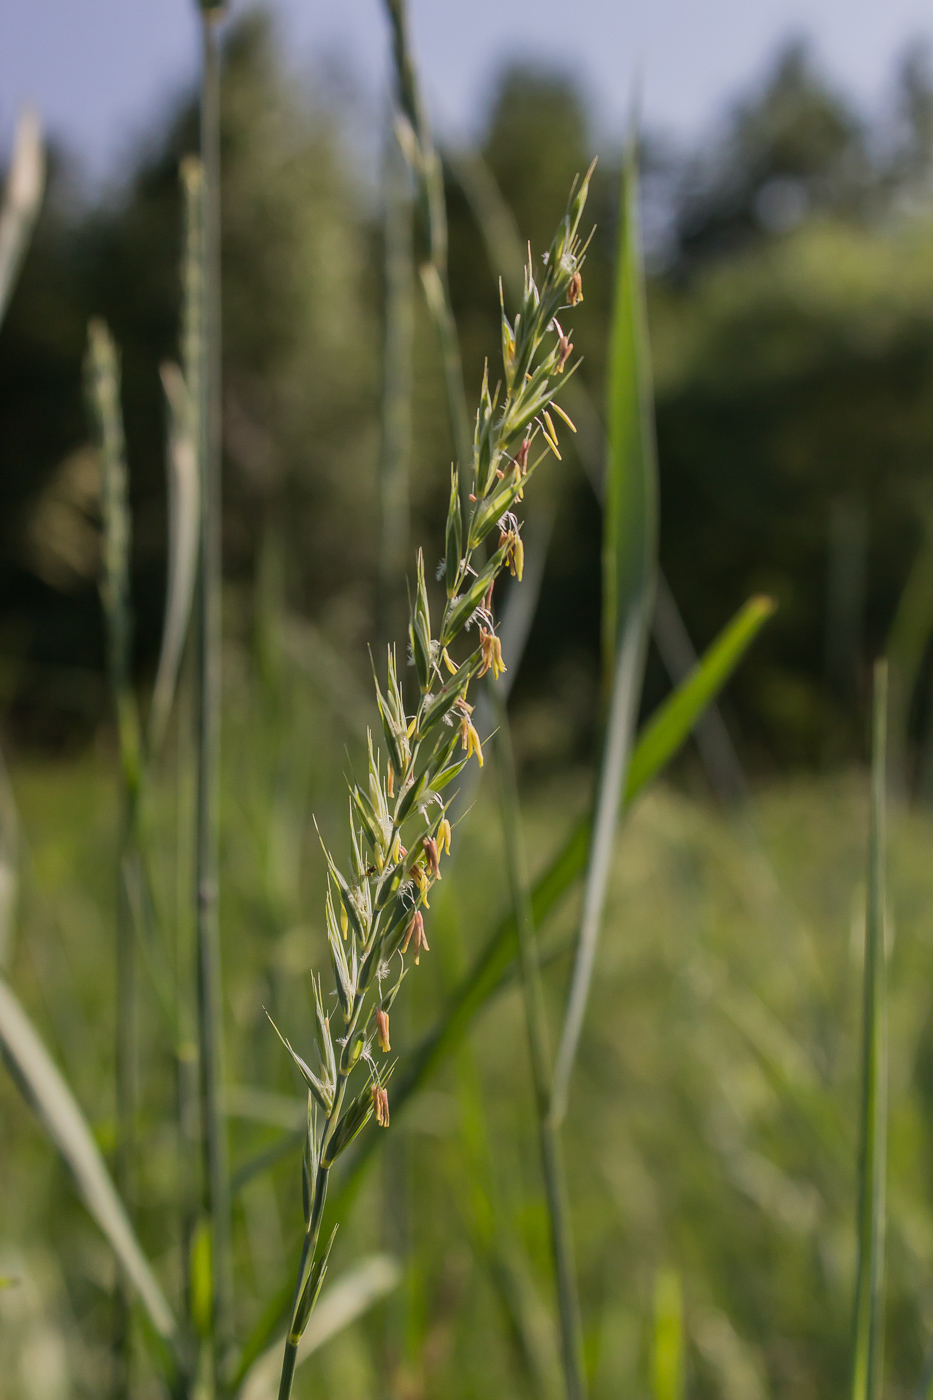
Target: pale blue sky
[{"x": 100, "y": 70}]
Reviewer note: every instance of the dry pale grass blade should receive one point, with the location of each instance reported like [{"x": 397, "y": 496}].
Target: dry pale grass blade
[
  {"x": 339, "y": 1306},
  {"x": 629, "y": 561},
  {"x": 183, "y": 536},
  {"x": 868, "y": 1327},
  {"x": 45, "y": 1088},
  {"x": 21, "y": 200}
]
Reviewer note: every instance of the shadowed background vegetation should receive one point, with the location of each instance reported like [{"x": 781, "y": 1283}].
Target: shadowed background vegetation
[{"x": 791, "y": 332}]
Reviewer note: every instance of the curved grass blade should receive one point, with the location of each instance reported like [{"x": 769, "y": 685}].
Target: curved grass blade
[
  {"x": 45, "y": 1088},
  {"x": 629, "y": 555},
  {"x": 868, "y": 1326},
  {"x": 184, "y": 514},
  {"x": 21, "y": 200},
  {"x": 339, "y": 1306}
]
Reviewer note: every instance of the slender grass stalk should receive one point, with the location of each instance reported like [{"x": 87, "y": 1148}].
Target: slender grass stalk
[
  {"x": 906, "y": 648},
  {"x": 216, "y": 1174},
  {"x": 629, "y": 554},
  {"x": 397, "y": 384},
  {"x": 415, "y": 134},
  {"x": 536, "y": 1026},
  {"x": 868, "y": 1324}
]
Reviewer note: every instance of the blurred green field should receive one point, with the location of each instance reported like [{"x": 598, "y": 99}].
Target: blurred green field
[{"x": 713, "y": 1126}]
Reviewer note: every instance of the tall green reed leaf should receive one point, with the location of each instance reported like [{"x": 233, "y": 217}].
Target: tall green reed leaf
[
  {"x": 44, "y": 1087},
  {"x": 502, "y": 240},
  {"x": 22, "y": 197},
  {"x": 629, "y": 552},
  {"x": 868, "y": 1325},
  {"x": 215, "y": 1153}
]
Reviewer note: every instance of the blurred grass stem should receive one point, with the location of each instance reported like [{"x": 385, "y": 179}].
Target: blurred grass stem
[
  {"x": 536, "y": 1025},
  {"x": 215, "y": 1185},
  {"x": 868, "y": 1338},
  {"x": 397, "y": 385}
]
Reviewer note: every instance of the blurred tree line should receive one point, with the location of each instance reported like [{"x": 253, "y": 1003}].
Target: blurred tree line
[{"x": 792, "y": 331}]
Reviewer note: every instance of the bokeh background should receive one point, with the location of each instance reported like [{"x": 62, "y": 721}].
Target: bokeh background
[{"x": 787, "y": 178}]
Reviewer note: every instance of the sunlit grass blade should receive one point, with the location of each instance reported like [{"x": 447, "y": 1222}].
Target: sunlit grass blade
[
  {"x": 868, "y": 1326},
  {"x": 629, "y": 560},
  {"x": 667, "y": 1341},
  {"x": 183, "y": 515},
  {"x": 45, "y": 1088},
  {"x": 662, "y": 736},
  {"x": 21, "y": 200}
]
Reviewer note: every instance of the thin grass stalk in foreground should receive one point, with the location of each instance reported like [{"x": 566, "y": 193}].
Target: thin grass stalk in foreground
[
  {"x": 536, "y": 1026},
  {"x": 380, "y": 902},
  {"x": 868, "y": 1327},
  {"x": 216, "y": 1175},
  {"x": 629, "y": 561},
  {"x": 21, "y": 200}
]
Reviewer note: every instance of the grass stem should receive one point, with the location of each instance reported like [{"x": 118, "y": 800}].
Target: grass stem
[
  {"x": 868, "y": 1328},
  {"x": 216, "y": 1185},
  {"x": 536, "y": 1024}
]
